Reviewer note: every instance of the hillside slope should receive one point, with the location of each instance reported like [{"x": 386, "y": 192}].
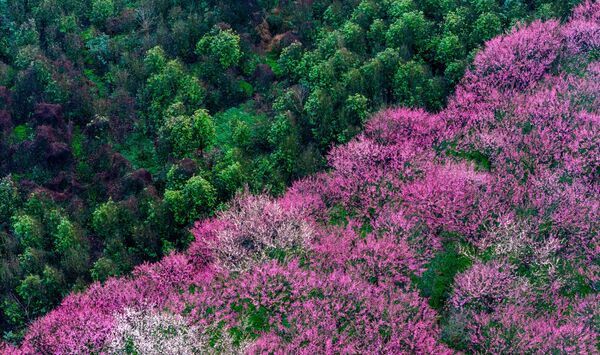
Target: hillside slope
[
  {"x": 475, "y": 229},
  {"x": 123, "y": 122}
]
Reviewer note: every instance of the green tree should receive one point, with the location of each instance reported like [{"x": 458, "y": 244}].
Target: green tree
[
  {"x": 449, "y": 49},
  {"x": 414, "y": 86},
  {"x": 40, "y": 293},
  {"x": 223, "y": 45},
  {"x": 322, "y": 74},
  {"x": 31, "y": 290},
  {"x": 177, "y": 177},
  {"x": 457, "y": 21},
  {"x": 101, "y": 10},
  {"x": 28, "y": 231},
  {"x": 32, "y": 260},
  {"x": 357, "y": 108},
  {"x": 65, "y": 236},
  {"x": 177, "y": 205},
  {"x": 365, "y": 13},
  {"x": 188, "y": 136},
  {"x": 487, "y": 26},
  {"x": 8, "y": 199},
  {"x": 191, "y": 92},
  {"x": 196, "y": 199},
  {"x": 27, "y": 34},
  {"x": 377, "y": 35},
  {"x": 72, "y": 247},
  {"x": 353, "y": 36},
  {"x": 13, "y": 311},
  {"x": 290, "y": 58},
  {"x": 229, "y": 179},
  {"x": 200, "y": 195},
  {"x": 110, "y": 221},
  {"x": 103, "y": 269},
  {"x": 155, "y": 60},
  {"x": 397, "y": 8},
  {"x": 411, "y": 31},
  {"x": 160, "y": 91}
]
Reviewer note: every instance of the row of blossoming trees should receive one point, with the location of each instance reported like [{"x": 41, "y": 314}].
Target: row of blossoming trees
[{"x": 475, "y": 230}]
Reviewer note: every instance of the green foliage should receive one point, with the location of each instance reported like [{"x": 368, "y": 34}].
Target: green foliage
[
  {"x": 110, "y": 221},
  {"x": 22, "y": 133},
  {"x": 68, "y": 24},
  {"x": 410, "y": 30},
  {"x": 98, "y": 49},
  {"x": 241, "y": 129},
  {"x": 487, "y": 26},
  {"x": 449, "y": 49},
  {"x": 191, "y": 92},
  {"x": 576, "y": 283},
  {"x": 9, "y": 199},
  {"x": 41, "y": 291},
  {"x": 103, "y": 269},
  {"x": 188, "y": 136},
  {"x": 178, "y": 206},
  {"x": 169, "y": 88},
  {"x": 436, "y": 281},
  {"x": 160, "y": 90},
  {"x": 290, "y": 58},
  {"x": 28, "y": 231},
  {"x": 414, "y": 86},
  {"x": 222, "y": 46},
  {"x": 27, "y": 34},
  {"x": 31, "y": 290},
  {"x": 246, "y": 88},
  {"x": 256, "y": 320},
  {"x": 155, "y": 60},
  {"x": 200, "y": 196},
  {"x": 176, "y": 177},
  {"x": 273, "y": 63},
  {"x": 481, "y": 161},
  {"x": 357, "y": 107},
  {"x": 454, "y": 71},
  {"x": 65, "y": 237},
  {"x": 77, "y": 145},
  {"x": 13, "y": 312},
  {"x": 195, "y": 200},
  {"x": 230, "y": 178},
  {"x": 101, "y": 10},
  {"x": 353, "y": 37}
]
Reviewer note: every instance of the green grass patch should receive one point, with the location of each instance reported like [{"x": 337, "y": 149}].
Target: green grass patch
[
  {"x": 272, "y": 61},
  {"x": 140, "y": 151},
  {"x": 481, "y": 161},
  {"x": 77, "y": 144},
  {"x": 97, "y": 80},
  {"x": 246, "y": 88},
  {"x": 22, "y": 133},
  {"x": 436, "y": 282}
]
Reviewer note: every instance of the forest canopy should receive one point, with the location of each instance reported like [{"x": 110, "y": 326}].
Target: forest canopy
[{"x": 123, "y": 122}]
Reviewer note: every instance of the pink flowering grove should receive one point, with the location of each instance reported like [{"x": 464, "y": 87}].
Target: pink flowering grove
[{"x": 471, "y": 230}]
